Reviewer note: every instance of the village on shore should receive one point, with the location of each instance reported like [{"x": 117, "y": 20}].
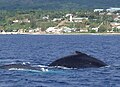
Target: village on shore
[{"x": 79, "y": 22}]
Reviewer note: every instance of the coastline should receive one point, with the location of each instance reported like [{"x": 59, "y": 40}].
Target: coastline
[{"x": 37, "y": 33}]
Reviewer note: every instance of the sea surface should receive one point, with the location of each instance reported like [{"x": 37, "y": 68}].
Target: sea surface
[{"x": 43, "y": 49}]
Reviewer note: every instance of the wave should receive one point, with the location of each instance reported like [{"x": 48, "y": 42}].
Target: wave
[{"x": 22, "y": 69}]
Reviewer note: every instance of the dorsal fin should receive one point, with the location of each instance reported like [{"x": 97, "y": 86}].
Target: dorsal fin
[{"x": 79, "y": 53}]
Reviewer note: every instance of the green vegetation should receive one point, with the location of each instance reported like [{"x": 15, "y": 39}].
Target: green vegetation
[
  {"x": 32, "y": 19},
  {"x": 23, "y": 17}
]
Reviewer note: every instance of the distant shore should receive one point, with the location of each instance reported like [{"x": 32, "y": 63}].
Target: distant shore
[{"x": 37, "y": 33}]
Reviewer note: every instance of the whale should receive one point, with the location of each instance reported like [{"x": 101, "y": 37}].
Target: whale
[
  {"x": 78, "y": 60},
  {"x": 23, "y": 67}
]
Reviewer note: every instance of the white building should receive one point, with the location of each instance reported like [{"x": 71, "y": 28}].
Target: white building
[
  {"x": 114, "y": 24},
  {"x": 57, "y": 19},
  {"x": 83, "y": 30},
  {"x": 26, "y": 20},
  {"x": 98, "y": 10},
  {"x": 118, "y": 27},
  {"x": 15, "y": 21},
  {"x": 66, "y": 29},
  {"x": 51, "y": 29},
  {"x": 68, "y": 15},
  {"x": 79, "y": 19},
  {"x": 45, "y": 17},
  {"x": 20, "y": 21},
  {"x": 54, "y": 30},
  {"x": 117, "y": 18},
  {"x": 71, "y": 16},
  {"x": 95, "y": 29},
  {"x": 113, "y": 9},
  {"x": 75, "y": 19}
]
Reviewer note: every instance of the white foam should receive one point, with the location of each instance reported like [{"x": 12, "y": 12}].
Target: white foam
[
  {"x": 44, "y": 70},
  {"x": 108, "y": 66},
  {"x": 41, "y": 66},
  {"x": 62, "y": 67},
  {"x": 16, "y": 69},
  {"x": 24, "y": 63}
]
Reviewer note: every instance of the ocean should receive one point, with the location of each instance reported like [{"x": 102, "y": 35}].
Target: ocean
[{"x": 44, "y": 49}]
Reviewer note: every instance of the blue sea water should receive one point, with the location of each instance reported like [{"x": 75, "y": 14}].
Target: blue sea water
[{"x": 43, "y": 49}]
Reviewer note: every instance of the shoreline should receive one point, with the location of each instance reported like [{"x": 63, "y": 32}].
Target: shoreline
[{"x": 37, "y": 33}]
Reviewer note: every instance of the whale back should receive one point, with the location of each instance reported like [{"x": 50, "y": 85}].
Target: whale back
[
  {"x": 78, "y": 60},
  {"x": 27, "y": 66}
]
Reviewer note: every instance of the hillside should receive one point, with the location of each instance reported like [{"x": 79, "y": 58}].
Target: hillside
[{"x": 57, "y": 4}]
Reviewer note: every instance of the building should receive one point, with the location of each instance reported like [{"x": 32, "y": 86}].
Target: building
[
  {"x": 15, "y": 21},
  {"x": 98, "y": 10},
  {"x": 45, "y": 17},
  {"x": 21, "y": 31},
  {"x": 79, "y": 19},
  {"x": 83, "y": 30},
  {"x": 51, "y": 30},
  {"x": 26, "y": 20},
  {"x": 112, "y": 9},
  {"x": 20, "y": 21},
  {"x": 117, "y": 18},
  {"x": 75, "y": 19},
  {"x": 57, "y": 19},
  {"x": 69, "y": 15},
  {"x": 66, "y": 29},
  {"x": 115, "y": 25},
  {"x": 95, "y": 29},
  {"x": 118, "y": 27}
]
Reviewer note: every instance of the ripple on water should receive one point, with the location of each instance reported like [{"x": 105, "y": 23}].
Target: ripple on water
[{"x": 43, "y": 49}]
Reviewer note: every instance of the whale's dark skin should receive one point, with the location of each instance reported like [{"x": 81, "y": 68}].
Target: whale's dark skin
[
  {"x": 78, "y": 60},
  {"x": 19, "y": 66}
]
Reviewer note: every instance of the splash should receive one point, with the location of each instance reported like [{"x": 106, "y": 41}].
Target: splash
[{"x": 20, "y": 69}]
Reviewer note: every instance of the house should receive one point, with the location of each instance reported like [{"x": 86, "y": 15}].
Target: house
[
  {"x": 83, "y": 30},
  {"x": 79, "y": 19},
  {"x": 112, "y": 9},
  {"x": 95, "y": 29},
  {"x": 98, "y": 10},
  {"x": 57, "y": 19},
  {"x": 15, "y": 21},
  {"x": 66, "y": 29},
  {"x": 70, "y": 17},
  {"x": 118, "y": 27},
  {"x": 110, "y": 14},
  {"x": 26, "y": 20},
  {"x": 75, "y": 19},
  {"x": 50, "y": 30},
  {"x": 115, "y": 25},
  {"x": 54, "y": 30},
  {"x": 102, "y": 13},
  {"x": 117, "y": 18},
  {"x": 34, "y": 30},
  {"x": 21, "y": 30},
  {"x": 45, "y": 17},
  {"x": 20, "y": 21},
  {"x": 31, "y": 31}
]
